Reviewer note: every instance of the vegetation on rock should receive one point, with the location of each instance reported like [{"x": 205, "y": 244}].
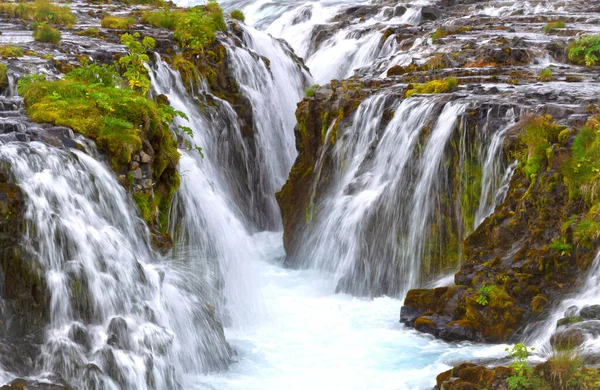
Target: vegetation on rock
[
  {"x": 41, "y": 11},
  {"x": 238, "y": 15},
  {"x": 3, "y": 75},
  {"x": 194, "y": 28},
  {"x": 96, "y": 101},
  {"x": 47, "y": 33},
  {"x": 545, "y": 75},
  {"x": 9, "y": 51},
  {"x": 553, "y": 25},
  {"x": 585, "y": 50},
  {"x": 121, "y": 23},
  {"x": 538, "y": 135},
  {"x": 434, "y": 86}
]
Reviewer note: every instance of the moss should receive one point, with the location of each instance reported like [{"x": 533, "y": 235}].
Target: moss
[
  {"x": 435, "y": 86},
  {"x": 9, "y": 51},
  {"x": 444, "y": 31},
  {"x": 398, "y": 70},
  {"x": 310, "y": 92},
  {"x": 3, "y": 76},
  {"x": 539, "y": 133},
  {"x": 538, "y": 303},
  {"x": 424, "y": 321},
  {"x": 116, "y": 22},
  {"x": 91, "y": 32},
  {"x": 553, "y": 25},
  {"x": 582, "y": 170},
  {"x": 144, "y": 204},
  {"x": 187, "y": 70}
]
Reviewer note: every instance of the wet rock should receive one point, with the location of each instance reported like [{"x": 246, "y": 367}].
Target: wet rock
[
  {"x": 430, "y": 13},
  {"x": 567, "y": 339},
  {"x": 118, "y": 333},
  {"x": 590, "y": 312}
]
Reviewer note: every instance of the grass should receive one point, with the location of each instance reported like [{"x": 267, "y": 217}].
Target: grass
[
  {"x": 545, "y": 75},
  {"x": 47, "y": 33},
  {"x": 238, "y": 15},
  {"x": 9, "y": 51},
  {"x": 435, "y": 86},
  {"x": 585, "y": 50},
  {"x": 194, "y": 28},
  {"x": 553, "y": 25},
  {"x": 91, "y": 32},
  {"x": 41, "y": 11},
  {"x": 116, "y": 22}
]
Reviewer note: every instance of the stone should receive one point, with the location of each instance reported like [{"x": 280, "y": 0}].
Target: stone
[
  {"x": 118, "y": 333},
  {"x": 137, "y": 174},
  {"x": 567, "y": 339},
  {"x": 590, "y": 312},
  {"x": 145, "y": 158},
  {"x": 430, "y": 13}
]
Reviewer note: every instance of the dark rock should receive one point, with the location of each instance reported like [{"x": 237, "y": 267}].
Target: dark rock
[
  {"x": 430, "y": 13},
  {"x": 118, "y": 333},
  {"x": 590, "y": 312},
  {"x": 567, "y": 339}
]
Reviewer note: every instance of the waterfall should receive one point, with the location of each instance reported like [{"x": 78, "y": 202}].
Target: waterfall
[
  {"x": 119, "y": 315},
  {"x": 391, "y": 190}
]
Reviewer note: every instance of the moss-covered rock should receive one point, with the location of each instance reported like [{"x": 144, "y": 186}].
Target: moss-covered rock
[{"x": 524, "y": 250}]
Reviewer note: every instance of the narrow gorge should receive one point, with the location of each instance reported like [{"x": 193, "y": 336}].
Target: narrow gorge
[{"x": 268, "y": 194}]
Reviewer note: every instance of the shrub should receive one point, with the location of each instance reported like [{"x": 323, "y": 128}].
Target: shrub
[
  {"x": 45, "y": 33},
  {"x": 435, "y": 86},
  {"x": 520, "y": 367},
  {"x": 585, "y": 50},
  {"x": 238, "y": 15},
  {"x": 545, "y": 75},
  {"x": 116, "y": 22},
  {"x": 310, "y": 92},
  {"x": 553, "y": 25},
  {"x": 194, "y": 28},
  {"x": 8, "y": 51}
]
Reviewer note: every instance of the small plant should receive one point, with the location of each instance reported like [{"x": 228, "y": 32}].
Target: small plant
[
  {"x": 91, "y": 32},
  {"x": 553, "y": 25},
  {"x": 561, "y": 247},
  {"x": 443, "y": 32},
  {"x": 116, "y": 22},
  {"x": 487, "y": 293},
  {"x": 238, "y": 15},
  {"x": 9, "y": 51},
  {"x": 45, "y": 33},
  {"x": 435, "y": 86},
  {"x": 310, "y": 92},
  {"x": 545, "y": 75},
  {"x": 136, "y": 72},
  {"x": 585, "y": 50},
  {"x": 520, "y": 367}
]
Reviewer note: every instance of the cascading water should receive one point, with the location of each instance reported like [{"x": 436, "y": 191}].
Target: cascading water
[
  {"x": 119, "y": 316},
  {"x": 373, "y": 227}
]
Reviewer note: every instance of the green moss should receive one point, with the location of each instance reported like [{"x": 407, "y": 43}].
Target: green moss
[
  {"x": 238, "y": 15},
  {"x": 582, "y": 170},
  {"x": 116, "y": 22},
  {"x": 443, "y": 32},
  {"x": 143, "y": 202},
  {"x": 194, "y": 28},
  {"x": 435, "y": 86},
  {"x": 538, "y": 135},
  {"x": 46, "y": 33},
  {"x": 91, "y": 32},
  {"x": 553, "y": 25},
  {"x": 9, "y": 51},
  {"x": 310, "y": 92},
  {"x": 3, "y": 76}
]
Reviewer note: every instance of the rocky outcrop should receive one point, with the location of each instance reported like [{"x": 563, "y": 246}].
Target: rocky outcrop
[
  {"x": 516, "y": 262},
  {"x": 23, "y": 294}
]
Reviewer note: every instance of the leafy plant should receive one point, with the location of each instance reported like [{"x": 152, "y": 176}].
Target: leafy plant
[
  {"x": 136, "y": 72},
  {"x": 238, "y": 15},
  {"x": 193, "y": 28},
  {"x": 553, "y": 25},
  {"x": 520, "y": 367},
  {"x": 585, "y": 50},
  {"x": 561, "y": 247},
  {"x": 487, "y": 293}
]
